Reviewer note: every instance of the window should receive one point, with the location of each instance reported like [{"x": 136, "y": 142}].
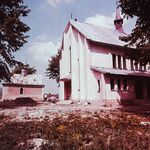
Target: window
[
  {"x": 119, "y": 84},
  {"x": 124, "y": 63},
  {"x": 112, "y": 84},
  {"x": 141, "y": 67},
  {"x": 114, "y": 60},
  {"x": 21, "y": 91},
  {"x": 136, "y": 66},
  {"x": 132, "y": 67},
  {"x": 119, "y": 62},
  {"x": 70, "y": 57},
  {"x": 125, "y": 84},
  {"x": 98, "y": 81},
  {"x": 144, "y": 67}
]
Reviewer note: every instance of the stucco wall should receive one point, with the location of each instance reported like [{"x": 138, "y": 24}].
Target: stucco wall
[
  {"x": 65, "y": 61},
  {"x": 12, "y": 92},
  {"x": 120, "y": 94}
]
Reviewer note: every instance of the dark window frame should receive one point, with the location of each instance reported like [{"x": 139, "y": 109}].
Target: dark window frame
[
  {"x": 119, "y": 62},
  {"x": 99, "y": 84},
  {"x": 136, "y": 67},
  {"x": 21, "y": 91},
  {"x": 145, "y": 67},
  {"x": 124, "y": 63},
  {"x": 132, "y": 64},
  {"x": 119, "y": 84},
  {"x": 70, "y": 58},
  {"x": 114, "y": 61},
  {"x": 125, "y": 84},
  {"x": 112, "y": 84}
]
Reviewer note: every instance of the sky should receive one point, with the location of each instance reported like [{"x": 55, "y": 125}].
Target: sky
[{"x": 47, "y": 21}]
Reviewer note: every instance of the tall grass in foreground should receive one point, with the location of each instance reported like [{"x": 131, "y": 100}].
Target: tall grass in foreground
[{"x": 117, "y": 131}]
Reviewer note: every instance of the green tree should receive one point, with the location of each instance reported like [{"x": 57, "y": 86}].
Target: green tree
[
  {"x": 53, "y": 67},
  {"x": 4, "y": 71},
  {"x": 140, "y": 35},
  {"x": 30, "y": 70},
  {"x": 12, "y": 33}
]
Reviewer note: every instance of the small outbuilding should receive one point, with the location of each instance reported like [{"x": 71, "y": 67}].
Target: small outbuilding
[{"x": 24, "y": 85}]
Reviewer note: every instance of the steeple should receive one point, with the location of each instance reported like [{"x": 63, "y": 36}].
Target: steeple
[{"x": 118, "y": 22}]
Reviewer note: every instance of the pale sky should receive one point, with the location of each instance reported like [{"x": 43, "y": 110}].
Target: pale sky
[{"x": 47, "y": 21}]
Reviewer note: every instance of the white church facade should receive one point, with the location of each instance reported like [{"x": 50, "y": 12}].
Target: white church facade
[{"x": 94, "y": 65}]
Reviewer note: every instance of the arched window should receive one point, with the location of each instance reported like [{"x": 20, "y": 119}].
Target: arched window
[{"x": 21, "y": 91}]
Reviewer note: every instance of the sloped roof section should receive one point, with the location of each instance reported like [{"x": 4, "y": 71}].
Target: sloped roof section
[
  {"x": 98, "y": 34},
  {"x": 27, "y": 80},
  {"x": 121, "y": 72}
]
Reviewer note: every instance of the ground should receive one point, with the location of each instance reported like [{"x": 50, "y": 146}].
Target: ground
[{"x": 70, "y": 126}]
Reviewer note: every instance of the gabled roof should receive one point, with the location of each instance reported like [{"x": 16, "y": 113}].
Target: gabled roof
[
  {"x": 120, "y": 72},
  {"x": 97, "y": 34},
  {"x": 27, "y": 80}
]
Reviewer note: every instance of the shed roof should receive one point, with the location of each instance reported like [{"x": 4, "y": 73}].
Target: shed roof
[{"x": 121, "y": 72}]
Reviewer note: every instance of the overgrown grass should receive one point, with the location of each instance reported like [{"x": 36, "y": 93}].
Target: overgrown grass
[{"x": 117, "y": 131}]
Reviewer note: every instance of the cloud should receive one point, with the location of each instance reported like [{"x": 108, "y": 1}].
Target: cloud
[
  {"x": 57, "y": 2},
  {"x": 101, "y": 20},
  {"x": 108, "y": 22},
  {"x": 42, "y": 50}
]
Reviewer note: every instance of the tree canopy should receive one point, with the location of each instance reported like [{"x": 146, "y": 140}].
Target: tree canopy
[
  {"x": 30, "y": 70},
  {"x": 12, "y": 33},
  {"x": 140, "y": 36},
  {"x": 53, "y": 67}
]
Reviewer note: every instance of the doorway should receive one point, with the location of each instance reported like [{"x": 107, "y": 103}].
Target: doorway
[
  {"x": 139, "y": 89},
  {"x": 67, "y": 90},
  {"x": 148, "y": 89}
]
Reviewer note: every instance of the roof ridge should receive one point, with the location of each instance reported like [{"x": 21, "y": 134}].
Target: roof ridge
[
  {"x": 92, "y": 24},
  {"x": 110, "y": 29}
]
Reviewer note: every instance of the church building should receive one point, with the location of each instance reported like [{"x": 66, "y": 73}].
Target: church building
[{"x": 94, "y": 65}]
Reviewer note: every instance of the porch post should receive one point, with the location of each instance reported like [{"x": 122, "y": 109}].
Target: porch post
[{"x": 103, "y": 87}]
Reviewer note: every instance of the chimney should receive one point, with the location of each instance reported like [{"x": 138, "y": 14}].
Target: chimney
[
  {"x": 24, "y": 71},
  {"x": 118, "y": 22}
]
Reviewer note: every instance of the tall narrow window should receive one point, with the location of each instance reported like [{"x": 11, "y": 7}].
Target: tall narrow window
[
  {"x": 119, "y": 62},
  {"x": 136, "y": 66},
  {"x": 125, "y": 84},
  {"x": 144, "y": 67},
  {"x": 124, "y": 63},
  {"x": 21, "y": 91},
  {"x": 98, "y": 81},
  {"x": 141, "y": 67},
  {"x": 132, "y": 66},
  {"x": 70, "y": 57},
  {"x": 112, "y": 84},
  {"x": 114, "y": 60},
  {"x": 119, "y": 84}
]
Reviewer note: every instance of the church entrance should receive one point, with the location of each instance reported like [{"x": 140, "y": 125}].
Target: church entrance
[{"x": 67, "y": 90}]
